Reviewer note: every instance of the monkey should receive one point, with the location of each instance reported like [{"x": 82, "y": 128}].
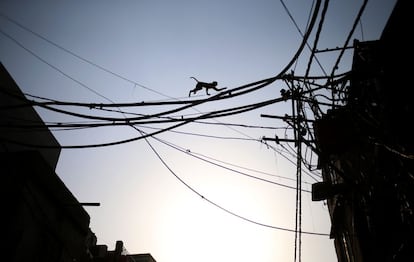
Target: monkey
[{"x": 207, "y": 86}]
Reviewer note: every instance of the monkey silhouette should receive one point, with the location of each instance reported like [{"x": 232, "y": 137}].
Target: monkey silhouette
[{"x": 200, "y": 85}]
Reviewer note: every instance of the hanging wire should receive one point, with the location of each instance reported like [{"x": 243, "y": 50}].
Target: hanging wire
[
  {"x": 215, "y": 204},
  {"x": 78, "y": 56}
]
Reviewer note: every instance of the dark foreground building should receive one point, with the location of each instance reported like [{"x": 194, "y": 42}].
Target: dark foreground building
[
  {"x": 119, "y": 255},
  {"x": 367, "y": 151},
  {"x": 41, "y": 219}
]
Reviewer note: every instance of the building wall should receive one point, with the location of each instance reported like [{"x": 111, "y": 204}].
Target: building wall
[
  {"x": 44, "y": 221},
  {"x": 11, "y": 113},
  {"x": 366, "y": 153}
]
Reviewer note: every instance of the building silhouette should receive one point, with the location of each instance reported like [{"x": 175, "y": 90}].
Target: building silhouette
[
  {"x": 367, "y": 151},
  {"x": 119, "y": 254},
  {"x": 42, "y": 220}
]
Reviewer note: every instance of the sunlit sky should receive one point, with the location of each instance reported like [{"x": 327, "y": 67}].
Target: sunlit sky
[{"x": 132, "y": 51}]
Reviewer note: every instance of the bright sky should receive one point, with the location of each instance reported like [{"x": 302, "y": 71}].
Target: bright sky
[{"x": 133, "y": 51}]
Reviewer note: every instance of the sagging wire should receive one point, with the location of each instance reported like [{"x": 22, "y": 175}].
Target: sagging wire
[{"x": 214, "y": 203}]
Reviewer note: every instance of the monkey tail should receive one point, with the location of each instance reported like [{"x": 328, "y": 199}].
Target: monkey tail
[{"x": 194, "y": 79}]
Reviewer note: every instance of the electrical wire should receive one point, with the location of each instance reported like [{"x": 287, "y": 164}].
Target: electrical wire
[
  {"x": 245, "y": 168},
  {"x": 316, "y": 40},
  {"x": 300, "y": 31},
  {"x": 361, "y": 10},
  {"x": 80, "y": 57},
  {"x": 218, "y": 113},
  {"x": 217, "y": 205},
  {"x": 49, "y": 64},
  {"x": 221, "y": 166}
]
